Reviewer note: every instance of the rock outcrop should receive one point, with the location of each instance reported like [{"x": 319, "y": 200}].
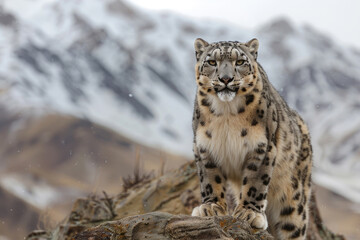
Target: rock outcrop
[{"x": 159, "y": 208}]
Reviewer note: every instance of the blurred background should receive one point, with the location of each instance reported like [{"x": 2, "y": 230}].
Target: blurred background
[{"x": 89, "y": 86}]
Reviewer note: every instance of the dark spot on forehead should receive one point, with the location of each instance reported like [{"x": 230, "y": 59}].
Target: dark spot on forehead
[
  {"x": 225, "y": 43},
  {"x": 225, "y": 48}
]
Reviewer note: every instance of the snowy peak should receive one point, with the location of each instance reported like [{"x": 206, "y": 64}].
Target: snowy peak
[
  {"x": 132, "y": 70},
  {"x": 280, "y": 27}
]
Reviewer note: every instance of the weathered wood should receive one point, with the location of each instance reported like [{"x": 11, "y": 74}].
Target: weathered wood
[{"x": 164, "y": 226}]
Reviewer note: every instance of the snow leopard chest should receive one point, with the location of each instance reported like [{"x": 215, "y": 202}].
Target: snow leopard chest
[{"x": 228, "y": 140}]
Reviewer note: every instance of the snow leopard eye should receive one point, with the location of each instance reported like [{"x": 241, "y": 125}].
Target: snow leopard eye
[
  {"x": 211, "y": 62},
  {"x": 239, "y": 62}
]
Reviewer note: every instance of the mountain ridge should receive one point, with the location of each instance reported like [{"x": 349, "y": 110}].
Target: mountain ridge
[{"x": 132, "y": 71}]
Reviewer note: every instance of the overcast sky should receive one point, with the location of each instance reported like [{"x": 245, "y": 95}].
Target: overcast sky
[{"x": 339, "y": 19}]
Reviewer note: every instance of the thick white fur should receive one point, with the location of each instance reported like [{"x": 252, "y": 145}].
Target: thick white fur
[
  {"x": 228, "y": 148},
  {"x": 226, "y": 96}
]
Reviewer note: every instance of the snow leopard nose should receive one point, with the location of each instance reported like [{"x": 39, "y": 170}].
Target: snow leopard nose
[{"x": 225, "y": 79}]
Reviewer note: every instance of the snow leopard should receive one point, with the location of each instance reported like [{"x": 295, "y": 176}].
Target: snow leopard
[{"x": 247, "y": 139}]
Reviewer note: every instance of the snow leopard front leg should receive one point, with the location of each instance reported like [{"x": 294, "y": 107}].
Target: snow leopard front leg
[
  {"x": 253, "y": 188},
  {"x": 212, "y": 186}
]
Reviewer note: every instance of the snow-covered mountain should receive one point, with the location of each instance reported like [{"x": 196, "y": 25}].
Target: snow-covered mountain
[{"x": 132, "y": 70}]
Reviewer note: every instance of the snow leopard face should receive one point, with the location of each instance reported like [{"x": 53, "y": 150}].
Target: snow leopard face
[{"x": 226, "y": 69}]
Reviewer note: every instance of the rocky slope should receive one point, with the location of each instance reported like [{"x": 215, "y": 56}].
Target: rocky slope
[
  {"x": 49, "y": 161},
  {"x": 17, "y": 217}
]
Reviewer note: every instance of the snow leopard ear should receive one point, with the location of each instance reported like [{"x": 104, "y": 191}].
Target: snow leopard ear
[
  {"x": 253, "y": 46},
  {"x": 200, "y": 45}
]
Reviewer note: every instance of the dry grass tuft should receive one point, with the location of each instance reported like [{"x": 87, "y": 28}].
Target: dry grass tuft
[{"x": 138, "y": 176}]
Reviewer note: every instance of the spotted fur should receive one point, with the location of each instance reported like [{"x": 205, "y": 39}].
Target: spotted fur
[{"x": 246, "y": 135}]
